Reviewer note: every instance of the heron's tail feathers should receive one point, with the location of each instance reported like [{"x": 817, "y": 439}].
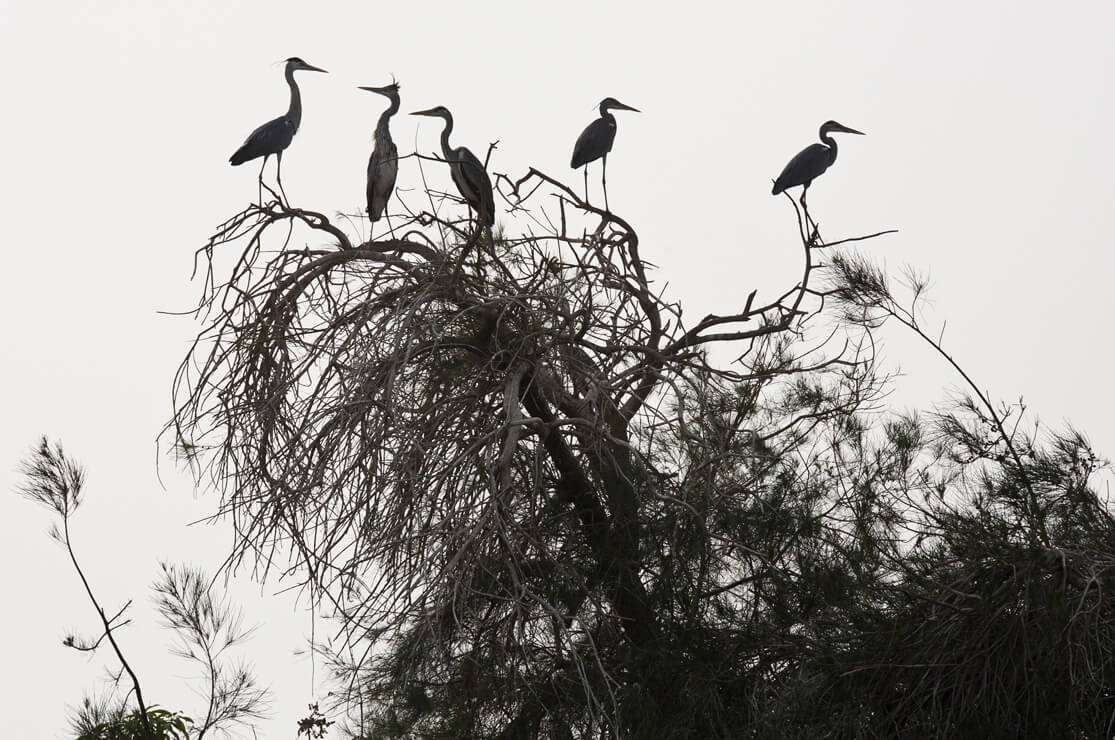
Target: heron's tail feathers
[{"x": 240, "y": 156}]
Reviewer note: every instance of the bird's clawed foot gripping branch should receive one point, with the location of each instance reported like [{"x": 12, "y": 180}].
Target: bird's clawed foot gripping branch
[{"x": 419, "y": 418}]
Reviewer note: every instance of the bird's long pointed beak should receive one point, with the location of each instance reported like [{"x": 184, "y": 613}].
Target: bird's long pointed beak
[
  {"x": 371, "y": 89},
  {"x": 628, "y": 107},
  {"x": 421, "y": 112},
  {"x": 312, "y": 68},
  {"x": 847, "y": 130}
]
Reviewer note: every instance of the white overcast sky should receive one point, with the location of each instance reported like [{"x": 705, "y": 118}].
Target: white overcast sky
[{"x": 989, "y": 146}]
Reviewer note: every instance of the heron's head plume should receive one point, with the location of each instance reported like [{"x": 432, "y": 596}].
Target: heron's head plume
[{"x": 391, "y": 90}]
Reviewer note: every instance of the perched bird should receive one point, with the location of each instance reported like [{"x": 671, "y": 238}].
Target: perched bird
[
  {"x": 467, "y": 171},
  {"x": 383, "y": 165},
  {"x": 811, "y": 161},
  {"x": 275, "y": 135},
  {"x": 596, "y": 141}
]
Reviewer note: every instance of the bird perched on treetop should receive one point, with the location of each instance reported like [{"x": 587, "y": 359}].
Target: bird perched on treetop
[
  {"x": 467, "y": 171},
  {"x": 383, "y": 165},
  {"x": 275, "y": 135},
  {"x": 596, "y": 141},
  {"x": 811, "y": 161}
]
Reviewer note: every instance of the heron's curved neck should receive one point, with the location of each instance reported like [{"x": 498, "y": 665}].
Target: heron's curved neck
[
  {"x": 830, "y": 143},
  {"x": 445, "y": 148},
  {"x": 386, "y": 115},
  {"x": 294, "y": 113}
]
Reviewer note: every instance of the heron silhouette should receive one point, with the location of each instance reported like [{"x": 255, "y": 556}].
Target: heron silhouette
[
  {"x": 596, "y": 141},
  {"x": 811, "y": 161},
  {"x": 275, "y": 136},
  {"x": 383, "y": 164},
  {"x": 467, "y": 171}
]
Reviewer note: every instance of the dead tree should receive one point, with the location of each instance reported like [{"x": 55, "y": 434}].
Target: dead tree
[{"x": 457, "y": 443}]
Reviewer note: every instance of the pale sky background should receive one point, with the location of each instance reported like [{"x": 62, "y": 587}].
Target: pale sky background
[{"x": 988, "y": 146}]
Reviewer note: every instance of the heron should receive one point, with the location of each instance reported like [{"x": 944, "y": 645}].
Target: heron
[
  {"x": 596, "y": 141},
  {"x": 383, "y": 165},
  {"x": 275, "y": 135},
  {"x": 468, "y": 173},
  {"x": 811, "y": 161}
]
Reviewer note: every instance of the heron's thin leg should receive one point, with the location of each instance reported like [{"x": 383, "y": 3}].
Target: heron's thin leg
[
  {"x": 279, "y": 176},
  {"x": 259, "y": 181},
  {"x": 604, "y": 182},
  {"x": 586, "y": 183}
]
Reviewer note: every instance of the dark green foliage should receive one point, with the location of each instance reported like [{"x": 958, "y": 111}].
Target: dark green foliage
[
  {"x": 315, "y": 724},
  {"x": 101, "y": 722}
]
